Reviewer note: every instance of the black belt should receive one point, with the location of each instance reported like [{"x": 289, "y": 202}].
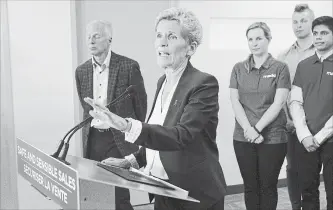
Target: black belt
[{"x": 102, "y": 130}]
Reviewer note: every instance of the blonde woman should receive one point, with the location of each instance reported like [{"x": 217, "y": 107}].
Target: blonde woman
[{"x": 259, "y": 87}]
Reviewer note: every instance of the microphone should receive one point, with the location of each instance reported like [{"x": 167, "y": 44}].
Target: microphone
[
  {"x": 129, "y": 91},
  {"x": 56, "y": 154}
]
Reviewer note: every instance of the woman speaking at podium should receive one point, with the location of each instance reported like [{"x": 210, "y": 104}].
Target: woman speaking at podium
[{"x": 179, "y": 139}]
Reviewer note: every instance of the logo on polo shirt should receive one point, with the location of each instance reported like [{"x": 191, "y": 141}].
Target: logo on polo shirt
[
  {"x": 269, "y": 76},
  {"x": 329, "y": 73}
]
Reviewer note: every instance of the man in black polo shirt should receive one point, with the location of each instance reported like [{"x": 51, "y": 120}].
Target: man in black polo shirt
[{"x": 311, "y": 106}]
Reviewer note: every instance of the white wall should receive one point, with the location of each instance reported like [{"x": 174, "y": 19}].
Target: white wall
[
  {"x": 224, "y": 44},
  {"x": 42, "y": 78},
  {"x": 8, "y": 179},
  {"x": 41, "y": 59}
]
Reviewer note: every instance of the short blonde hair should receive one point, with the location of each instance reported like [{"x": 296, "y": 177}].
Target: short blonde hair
[
  {"x": 263, "y": 26},
  {"x": 191, "y": 27},
  {"x": 303, "y": 8}
]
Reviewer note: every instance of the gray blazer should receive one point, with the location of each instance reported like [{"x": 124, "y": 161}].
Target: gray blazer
[{"x": 123, "y": 73}]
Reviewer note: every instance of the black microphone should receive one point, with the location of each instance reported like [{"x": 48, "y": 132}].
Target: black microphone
[
  {"x": 81, "y": 124},
  {"x": 73, "y": 130},
  {"x": 129, "y": 91}
]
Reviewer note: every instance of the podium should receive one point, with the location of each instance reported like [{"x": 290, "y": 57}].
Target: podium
[
  {"x": 82, "y": 184},
  {"x": 97, "y": 185}
]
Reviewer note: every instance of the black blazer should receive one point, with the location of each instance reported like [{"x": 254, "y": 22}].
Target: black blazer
[
  {"x": 187, "y": 139},
  {"x": 123, "y": 72}
]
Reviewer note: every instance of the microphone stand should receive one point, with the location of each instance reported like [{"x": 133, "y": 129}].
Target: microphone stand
[
  {"x": 80, "y": 125},
  {"x": 65, "y": 151}
]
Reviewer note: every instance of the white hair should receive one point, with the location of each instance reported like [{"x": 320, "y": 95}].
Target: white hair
[
  {"x": 191, "y": 27},
  {"x": 106, "y": 25}
]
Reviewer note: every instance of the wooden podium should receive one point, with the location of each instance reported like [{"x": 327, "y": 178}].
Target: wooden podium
[{"x": 82, "y": 184}]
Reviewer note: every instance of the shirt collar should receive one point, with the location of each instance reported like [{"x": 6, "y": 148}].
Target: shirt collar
[
  {"x": 249, "y": 62},
  {"x": 327, "y": 55},
  {"x": 295, "y": 46},
  {"x": 173, "y": 74},
  {"x": 106, "y": 62}
]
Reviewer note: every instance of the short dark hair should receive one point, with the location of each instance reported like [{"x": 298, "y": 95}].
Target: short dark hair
[
  {"x": 323, "y": 20},
  {"x": 304, "y": 7}
]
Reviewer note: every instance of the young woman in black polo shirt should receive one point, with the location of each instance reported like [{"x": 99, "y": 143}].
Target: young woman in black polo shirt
[{"x": 259, "y": 88}]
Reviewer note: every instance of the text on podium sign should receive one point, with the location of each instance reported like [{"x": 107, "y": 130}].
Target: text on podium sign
[{"x": 50, "y": 176}]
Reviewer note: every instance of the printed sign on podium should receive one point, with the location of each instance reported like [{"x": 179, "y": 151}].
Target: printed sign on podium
[{"x": 50, "y": 176}]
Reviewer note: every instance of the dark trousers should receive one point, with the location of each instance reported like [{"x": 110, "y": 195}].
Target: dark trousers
[
  {"x": 260, "y": 166},
  {"x": 101, "y": 146},
  {"x": 310, "y": 164},
  {"x": 293, "y": 181},
  {"x": 167, "y": 203}
]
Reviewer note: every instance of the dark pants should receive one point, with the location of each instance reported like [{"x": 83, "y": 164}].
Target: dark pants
[
  {"x": 310, "y": 164},
  {"x": 260, "y": 166},
  {"x": 293, "y": 181},
  {"x": 101, "y": 146},
  {"x": 167, "y": 203}
]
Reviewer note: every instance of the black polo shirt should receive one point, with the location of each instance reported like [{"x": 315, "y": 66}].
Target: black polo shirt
[
  {"x": 316, "y": 80},
  {"x": 256, "y": 89}
]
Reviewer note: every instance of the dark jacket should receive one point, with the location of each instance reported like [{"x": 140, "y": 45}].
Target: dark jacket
[
  {"x": 123, "y": 72},
  {"x": 187, "y": 139}
]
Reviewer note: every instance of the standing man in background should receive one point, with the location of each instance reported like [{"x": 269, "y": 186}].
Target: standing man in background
[
  {"x": 104, "y": 77},
  {"x": 303, "y": 48},
  {"x": 311, "y": 106}
]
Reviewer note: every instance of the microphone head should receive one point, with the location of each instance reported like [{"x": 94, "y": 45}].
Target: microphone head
[{"x": 130, "y": 90}]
